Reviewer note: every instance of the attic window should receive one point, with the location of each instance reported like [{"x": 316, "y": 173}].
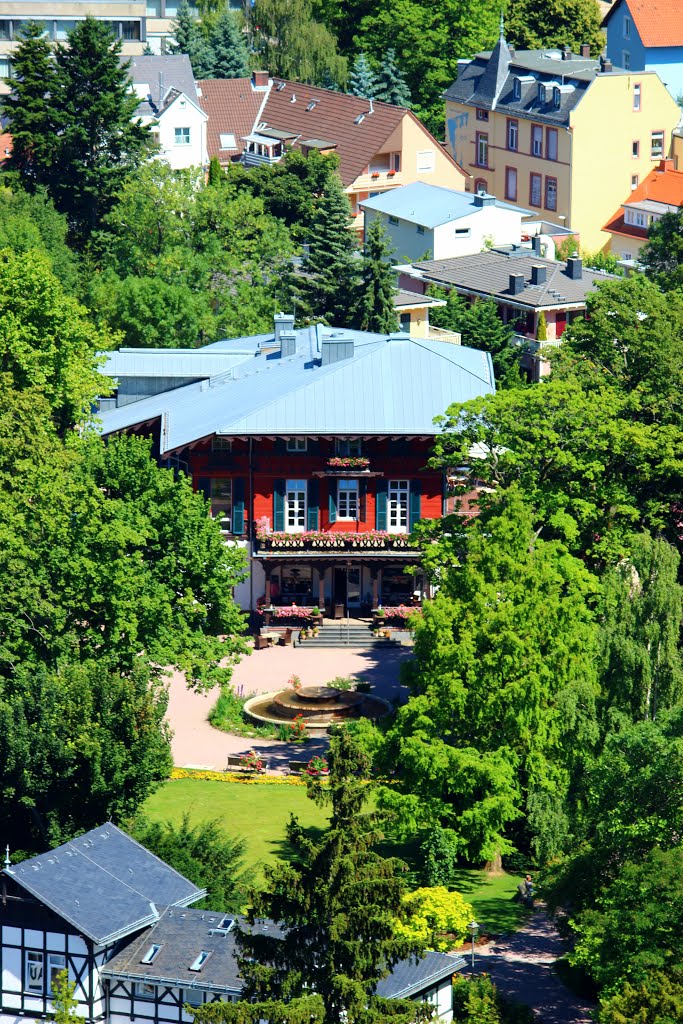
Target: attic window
[
  {"x": 197, "y": 964},
  {"x": 311, "y": 105},
  {"x": 557, "y": 98},
  {"x": 517, "y": 89},
  {"x": 359, "y": 119},
  {"x": 151, "y": 954},
  {"x": 541, "y": 92},
  {"x": 280, "y": 86},
  {"x": 228, "y": 141}
]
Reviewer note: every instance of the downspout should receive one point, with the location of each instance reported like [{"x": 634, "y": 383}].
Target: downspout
[{"x": 252, "y": 532}]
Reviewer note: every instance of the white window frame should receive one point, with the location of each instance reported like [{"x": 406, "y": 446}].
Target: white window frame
[
  {"x": 221, "y": 502},
  {"x": 144, "y": 990},
  {"x": 635, "y": 181},
  {"x": 537, "y": 140},
  {"x": 627, "y": 28},
  {"x": 637, "y": 97},
  {"x": 516, "y": 89},
  {"x": 296, "y": 445},
  {"x": 552, "y": 151},
  {"x": 636, "y": 218},
  {"x": 398, "y": 505},
  {"x": 182, "y": 137},
  {"x": 227, "y": 140},
  {"x": 656, "y": 148},
  {"x": 295, "y": 506},
  {"x": 348, "y": 500},
  {"x": 34, "y": 956},
  {"x": 56, "y": 962},
  {"x": 351, "y": 447},
  {"x": 482, "y": 149},
  {"x": 513, "y": 135}
]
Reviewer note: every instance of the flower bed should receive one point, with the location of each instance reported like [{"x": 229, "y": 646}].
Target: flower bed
[
  {"x": 207, "y": 775},
  {"x": 288, "y": 611},
  {"x": 399, "y": 611}
]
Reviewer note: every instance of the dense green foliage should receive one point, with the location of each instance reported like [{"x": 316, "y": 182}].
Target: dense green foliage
[
  {"x": 292, "y": 44},
  {"x": 480, "y": 326},
  {"x": 376, "y": 310},
  {"x": 204, "y": 853},
  {"x": 215, "y": 43},
  {"x": 536, "y": 24},
  {"x": 335, "y": 905},
  {"x": 662, "y": 257},
  {"x": 477, "y": 1001}
]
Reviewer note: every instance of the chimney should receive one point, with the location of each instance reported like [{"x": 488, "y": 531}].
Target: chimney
[
  {"x": 516, "y": 284},
  {"x": 536, "y": 245},
  {"x": 334, "y": 349},
  {"x": 282, "y": 323},
  {"x": 575, "y": 268},
  {"x": 566, "y": 53},
  {"x": 539, "y": 273},
  {"x": 259, "y": 79},
  {"x": 665, "y": 165},
  {"x": 484, "y": 199},
  {"x": 287, "y": 344},
  {"x": 585, "y": 51},
  {"x": 605, "y": 65}
]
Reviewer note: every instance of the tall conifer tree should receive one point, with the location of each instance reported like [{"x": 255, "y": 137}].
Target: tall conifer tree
[
  {"x": 230, "y": 59},
  {"x": 391, "y": 86},
  {"x": 376, "y": 310},
  {"x": 362, "y": 80}
]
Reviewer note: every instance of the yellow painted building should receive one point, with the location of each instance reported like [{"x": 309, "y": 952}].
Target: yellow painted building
[{"x": 563, "y": 134}]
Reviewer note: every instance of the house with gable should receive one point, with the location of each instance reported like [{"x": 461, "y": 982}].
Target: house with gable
[
  {"x": 379, "y": 146},
  {"x": 644, "y": 36},
  {"x": 120, "y": 922},
  {"x": 169, "y": 105},
  {"x": 313, "y": 450},
  {"x": 562, "y": 133},
  {"x": 661, "y": 192}
]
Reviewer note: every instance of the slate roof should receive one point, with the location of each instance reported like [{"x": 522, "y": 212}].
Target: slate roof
[
  {"x": 430, "y": 205},
  {"x": 232, "y": 105},
  {"x": 162, "y": 74},
  {"x": 574, "y": 76},
  {"x": 183, "y": 934},
  {"x": 659, "y": 22},
  {"x": 104, "y": 884},
  {"x": 391, "y": 385},
  {"x": 488, "y": 274}
]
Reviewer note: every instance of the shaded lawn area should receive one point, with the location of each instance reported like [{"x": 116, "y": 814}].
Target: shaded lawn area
[{"x": 260, "y": 813}]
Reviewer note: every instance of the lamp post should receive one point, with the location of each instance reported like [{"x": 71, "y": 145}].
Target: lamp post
[{"x": 473, "y": 928}]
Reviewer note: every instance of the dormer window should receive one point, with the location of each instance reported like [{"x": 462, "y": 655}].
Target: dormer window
[
  {"x": 197, "y": 964},
  {"x": 151, "y": 954},
  {"x": 517, "y": 89},
  {"x": 541, "y": 92},
  {"x": 557, "y": 98}
]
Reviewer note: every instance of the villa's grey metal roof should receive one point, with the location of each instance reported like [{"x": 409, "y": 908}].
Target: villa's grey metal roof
[
  {"x": 182, "y": 934},
  {"x": 390, "y": 385},
  {"x": 488, "y": 273},
  {"x": 432, "y": 205},
  {"x": 409, "y": 976},
  {"x": 104, "y": 884},
  {"x": 154, "y": 362}
]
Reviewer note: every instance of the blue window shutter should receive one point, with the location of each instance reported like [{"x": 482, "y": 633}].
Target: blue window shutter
[
  {"x": 381, "y": 504},
  {"x": 204, "y": 487},
  {"x": 238, "y": 505},
  {"x": 279, "y": 505},
  {"x": 414, "y": 504},
  {"x": 312, "y": 520},
  {"x": 332, "y": 484}
]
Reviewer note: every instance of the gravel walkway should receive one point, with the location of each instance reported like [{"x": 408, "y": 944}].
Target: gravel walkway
[
  {"x": 521, "y": 966},
  {"x": 196, "y": 744}
]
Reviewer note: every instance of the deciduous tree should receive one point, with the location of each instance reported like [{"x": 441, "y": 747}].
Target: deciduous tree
[{"x": 537, "y": 24}]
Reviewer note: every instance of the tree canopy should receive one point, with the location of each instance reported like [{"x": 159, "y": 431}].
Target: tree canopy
[{"x": 536, "y": 24}]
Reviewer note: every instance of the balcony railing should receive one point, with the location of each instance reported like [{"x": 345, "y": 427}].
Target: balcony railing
[
  {"x": 322, "y": 540},
  {"x": 348, "y": 464}
]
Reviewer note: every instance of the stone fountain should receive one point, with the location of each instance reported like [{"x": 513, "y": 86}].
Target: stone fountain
[{"x": 319, "y": 706}]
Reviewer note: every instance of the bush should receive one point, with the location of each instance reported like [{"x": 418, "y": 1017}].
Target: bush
[
  {"x": 228, "y": 714},
  {"x": 436, "y": 917},
  {"x": 342, "y": 683},
  {"x": 478, "y": 1001}
]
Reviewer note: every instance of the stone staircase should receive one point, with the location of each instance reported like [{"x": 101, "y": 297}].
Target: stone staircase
[{"x": 341, "y": 634}]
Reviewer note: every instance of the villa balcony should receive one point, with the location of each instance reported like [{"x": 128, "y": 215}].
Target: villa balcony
[
  {"x": 347, "y": 465},
  {"x": 328, "y": 542}
]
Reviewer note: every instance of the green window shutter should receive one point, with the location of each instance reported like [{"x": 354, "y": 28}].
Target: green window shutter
[
  {"x": 332, "y": 484},
  {"x": 381, "y": 504},
  {"x": 313, "y": 517},
  {"x": 238, "y": 505},
  {"x": 204, "y": 487},
  {"x": 279, "y": 505},
  {"x": 414, "y": 504}
]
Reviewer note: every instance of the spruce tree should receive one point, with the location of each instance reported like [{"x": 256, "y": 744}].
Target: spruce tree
[
  {"x": 30, "y": 110},
  {"x": 362, "y": 78},
  {"x": 336, "y": 904},
  {"x": 191, "y": 40},
  {"x": 230, "y": 58},
  {"x": 391, "y": 86},
  {"x": 330, "y": 274},
  {"x": 99, "y": 143},
  {"x": 376, "y": 310},
  {"x": 184, "y": 29}
]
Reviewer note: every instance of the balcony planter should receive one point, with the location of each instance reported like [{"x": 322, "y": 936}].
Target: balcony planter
[
  {"x": 375, "y": 174},
  {"x": 390, "y": 174},
  {"x": 345, "y": 462}
]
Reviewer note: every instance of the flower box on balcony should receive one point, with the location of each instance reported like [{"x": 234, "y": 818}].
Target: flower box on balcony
[
  {"x": 375, "y": 174},
  {"x": 390, "y": 174},
  {"x": 343, "y": 462}
]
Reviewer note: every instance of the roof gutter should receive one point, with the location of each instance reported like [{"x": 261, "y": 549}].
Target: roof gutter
[{"x": 161, "y": 979}]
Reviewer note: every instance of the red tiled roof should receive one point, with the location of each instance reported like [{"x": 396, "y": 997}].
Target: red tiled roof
[
  {"x": 333, "y": 117},
  {"x": 659, "y": 22},
  {"x": 5, "y": 146},
  {"x": 232, "y": 105},
  {"x": 662, "y": 185}
]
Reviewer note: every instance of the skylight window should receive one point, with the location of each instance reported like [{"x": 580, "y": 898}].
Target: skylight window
[
  {"x": 311, "y": 105},
  {"x": 197, "y": 964},
  {"x": 151, "y": 954},
  {"x": 359, "y": 119}
]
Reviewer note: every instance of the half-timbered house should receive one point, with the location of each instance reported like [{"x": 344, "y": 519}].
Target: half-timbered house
[
  {"x": 313, "y": 447},
  {"x": 119, "y": 921}
]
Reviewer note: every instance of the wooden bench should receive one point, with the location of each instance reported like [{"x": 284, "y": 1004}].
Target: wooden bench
[{"x": 235, "y": 761}]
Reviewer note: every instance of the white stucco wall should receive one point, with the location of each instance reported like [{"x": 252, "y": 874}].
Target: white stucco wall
[
  {"x": 182, "y": 114},
  {"x": 462, "y": 237}
]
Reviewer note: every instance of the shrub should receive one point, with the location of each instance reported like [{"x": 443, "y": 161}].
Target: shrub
[
  {"x": 228, "y": 714},
  {"x": 436, "y": 917}
]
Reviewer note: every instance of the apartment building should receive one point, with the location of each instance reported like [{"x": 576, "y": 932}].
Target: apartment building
[{"x": 564, "y": 134}]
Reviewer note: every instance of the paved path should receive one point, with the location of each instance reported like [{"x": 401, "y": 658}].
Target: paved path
[
  {"x": 521, "y": 966},
  {"x": 197, "y": 744}
]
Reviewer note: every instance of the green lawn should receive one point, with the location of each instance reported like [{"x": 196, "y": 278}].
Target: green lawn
[{"x": 260, "y": 814}]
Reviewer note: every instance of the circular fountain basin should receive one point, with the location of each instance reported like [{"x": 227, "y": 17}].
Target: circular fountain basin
[{"x": 319, "y": 706}]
